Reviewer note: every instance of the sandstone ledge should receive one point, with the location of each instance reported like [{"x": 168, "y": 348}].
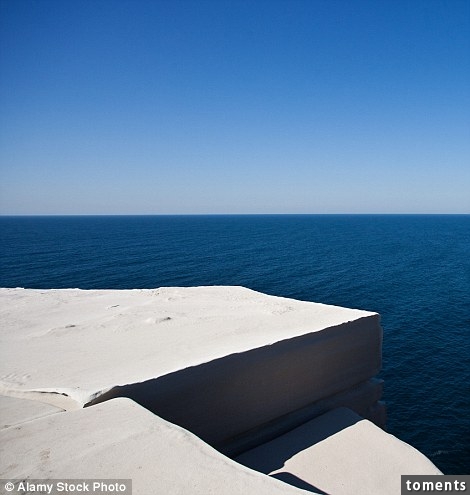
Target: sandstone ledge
[{"x": 237, "y": 368}]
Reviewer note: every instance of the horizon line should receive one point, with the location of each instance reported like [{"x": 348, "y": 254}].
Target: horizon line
[{"x": 4, "y": 215}]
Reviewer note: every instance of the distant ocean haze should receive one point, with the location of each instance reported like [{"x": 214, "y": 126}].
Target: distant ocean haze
[{"x": 412, "y": 269}]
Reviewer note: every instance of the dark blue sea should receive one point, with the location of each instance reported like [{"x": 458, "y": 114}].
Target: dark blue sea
[{"x": 412, "y": 269}]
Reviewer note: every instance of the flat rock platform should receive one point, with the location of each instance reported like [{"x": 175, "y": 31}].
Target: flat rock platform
[{"x": 172, "y": 386}]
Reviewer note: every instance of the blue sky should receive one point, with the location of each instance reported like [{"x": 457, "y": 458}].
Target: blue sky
[{"x": 169, "y": 107}]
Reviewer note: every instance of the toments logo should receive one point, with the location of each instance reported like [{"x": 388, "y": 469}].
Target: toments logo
[{"x": 435, "y": 484}]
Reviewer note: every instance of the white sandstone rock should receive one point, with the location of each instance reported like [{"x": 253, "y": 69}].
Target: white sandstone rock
[
  {"x": 119, "y": 439},
  {"x": 339, "y": 453},
  {"x": 16, "y": 411},
  {"x": 218, "y": 361}
]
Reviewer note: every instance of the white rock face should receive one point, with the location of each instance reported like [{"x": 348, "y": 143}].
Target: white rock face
[
  {"x": 243, "y": 371},
  {"x": 218, "y": 361},
  {"x": 120, "y": 439},
  {"x": 339, "y": 453},
  {"x": 16, "y": 411}
]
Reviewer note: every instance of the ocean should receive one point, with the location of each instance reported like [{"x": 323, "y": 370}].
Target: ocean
[{"x": 412, "y": 269}]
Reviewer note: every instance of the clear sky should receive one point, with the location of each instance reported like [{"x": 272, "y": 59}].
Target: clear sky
[{"x": 167, "y": 106}]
